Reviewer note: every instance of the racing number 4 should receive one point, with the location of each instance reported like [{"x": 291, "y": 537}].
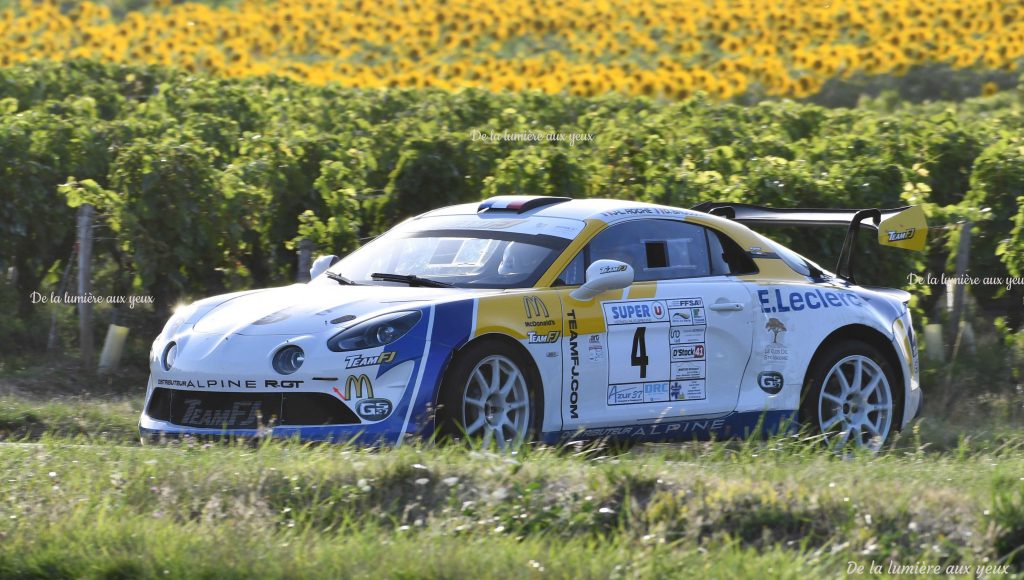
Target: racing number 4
[{"x": 638, "y": 358}]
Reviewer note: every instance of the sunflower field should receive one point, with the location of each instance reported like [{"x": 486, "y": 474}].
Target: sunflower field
[{"x": 667, "y": 48}]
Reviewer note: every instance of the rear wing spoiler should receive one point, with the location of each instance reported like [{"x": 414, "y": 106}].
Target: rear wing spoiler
[{"x": 902, "y": 227}]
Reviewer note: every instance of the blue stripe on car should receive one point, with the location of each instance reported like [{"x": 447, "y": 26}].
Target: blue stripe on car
[{"x": 453, "y": 323}]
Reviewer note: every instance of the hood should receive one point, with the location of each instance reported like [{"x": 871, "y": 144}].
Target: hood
[
  {"x": 898, "y": 295},
  {"x": 303, "y": 309}
]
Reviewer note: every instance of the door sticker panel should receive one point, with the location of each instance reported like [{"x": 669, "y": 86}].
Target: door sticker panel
[{"x": 656, "y": 351}]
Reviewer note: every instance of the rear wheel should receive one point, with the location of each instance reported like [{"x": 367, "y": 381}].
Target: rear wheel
[
  {"x": 849, "y": 396},
  {"x": 487, "y": 396}
]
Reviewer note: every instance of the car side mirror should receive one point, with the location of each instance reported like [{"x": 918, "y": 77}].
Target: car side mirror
[
  {"x": 602, "y": 276},
  {"x": 321, "y": 264}
]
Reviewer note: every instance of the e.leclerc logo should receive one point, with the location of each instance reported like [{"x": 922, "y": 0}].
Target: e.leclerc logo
[{"x": 796, "y": 300}]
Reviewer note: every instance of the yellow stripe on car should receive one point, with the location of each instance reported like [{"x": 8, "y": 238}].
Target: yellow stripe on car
[
  {"x": 642, "y": 290},
  {"x": 771, "y": 270},
  {"x": 517, "y": 314},
  {"x": 589, "y": 313},
  {"x": 904, "y": 336}
]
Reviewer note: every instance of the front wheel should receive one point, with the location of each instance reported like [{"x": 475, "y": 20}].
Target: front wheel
[
  {"x": 849, "y": 396},
  {"x": 486, "y": 396}
]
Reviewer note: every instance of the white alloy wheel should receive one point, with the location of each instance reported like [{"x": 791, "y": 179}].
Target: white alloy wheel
[
  {"x": 855, "y": 403},
  {"x": 496, "y": 402}
]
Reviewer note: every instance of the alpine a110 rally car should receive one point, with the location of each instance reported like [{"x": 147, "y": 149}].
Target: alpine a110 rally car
[{"x": 546, "y": 318}]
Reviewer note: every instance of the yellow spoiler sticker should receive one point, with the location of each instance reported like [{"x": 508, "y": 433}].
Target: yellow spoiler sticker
[{"x": 907, "y": 229}]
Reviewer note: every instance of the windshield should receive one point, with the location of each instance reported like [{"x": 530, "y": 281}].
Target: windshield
[{"x": 465, "y": 258}]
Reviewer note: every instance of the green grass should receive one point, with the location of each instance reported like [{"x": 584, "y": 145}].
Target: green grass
[
  {"x": 105, "y": 418},
  {"x": 81, "y": 498},
  {"x": 784, "y": 508}
]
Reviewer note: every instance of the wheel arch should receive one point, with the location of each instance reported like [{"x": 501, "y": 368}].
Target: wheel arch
[
  {"x": 884, "y": 345},
  {"x": 508, "y": 342}
]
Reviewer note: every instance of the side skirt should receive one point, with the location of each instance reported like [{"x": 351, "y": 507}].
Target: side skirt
[{"x": 757, "y": 424}]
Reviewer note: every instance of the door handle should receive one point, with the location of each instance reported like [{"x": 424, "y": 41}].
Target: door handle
[{"x": 726, "y": 307}]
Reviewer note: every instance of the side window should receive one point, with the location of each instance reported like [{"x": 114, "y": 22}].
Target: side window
[
  {"x": 656, "y": 249},
  {"x": 574, "y": 274},
  {"x": 727, "y": 257},
  {"x": 661, "y": 250}
]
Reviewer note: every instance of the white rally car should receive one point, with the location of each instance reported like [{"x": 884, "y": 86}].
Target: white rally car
[{"x": 550, "y": 319}]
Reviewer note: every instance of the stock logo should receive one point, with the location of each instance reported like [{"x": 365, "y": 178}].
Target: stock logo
[{"x": 688, "y": 352}]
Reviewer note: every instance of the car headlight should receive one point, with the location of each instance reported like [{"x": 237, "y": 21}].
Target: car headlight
[
  {"x": 375, "y": 332},
  {"x": 289, "y": 359},
  {"x": 170, "y": 354}
]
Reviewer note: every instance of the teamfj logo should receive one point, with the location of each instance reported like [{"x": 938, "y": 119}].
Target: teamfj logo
[
  {"x": 548, "y": 338},
  {"x": 897, "y": 236},
  {"x": 241, "y": 414},
  {"x": 359, "y": 360}
]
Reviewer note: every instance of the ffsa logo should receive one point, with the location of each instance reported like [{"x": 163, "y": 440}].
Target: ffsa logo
[{"x": 535, "y": 307}]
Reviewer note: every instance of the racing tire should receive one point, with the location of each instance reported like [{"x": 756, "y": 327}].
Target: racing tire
[
  {"x": 849, "y": 396},
  {"x": 490, "y": 394}
]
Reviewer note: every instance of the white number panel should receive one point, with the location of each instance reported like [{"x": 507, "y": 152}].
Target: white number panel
[{"x": 656, "y": 351}]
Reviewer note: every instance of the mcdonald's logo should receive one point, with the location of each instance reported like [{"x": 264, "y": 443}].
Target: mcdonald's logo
[
  {"x": 535, "y": 307},
  {"x": 357, "y": 383}
]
